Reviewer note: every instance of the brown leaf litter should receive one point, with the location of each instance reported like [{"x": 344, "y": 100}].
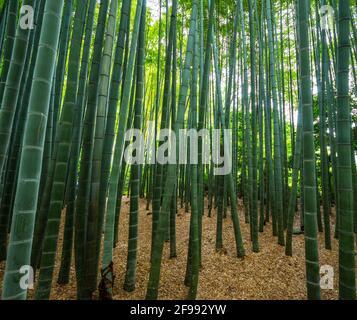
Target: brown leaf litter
[{"x": 269, "y": 274}]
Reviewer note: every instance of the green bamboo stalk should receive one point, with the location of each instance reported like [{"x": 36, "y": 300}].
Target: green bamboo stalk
[
  {"x": 113, "y": 104},
  {"x": 130, "y": 276},
  {"x": 309, "y": 172},
  {"x": 294, "y": 188},
  {"x": 9, "y": 36},
  {"x": 68, "y": 233},
  {"x": 119, "y": 145},
  {"x": 95, "y": 226},
  {"x": 9, "y": 109},
  {"x": 63, "y": 142},
  {"x": 203, "y": 105},
  {"x": 195, "y": 262},
  {"x": 159, "y": 169},
  {"x": 62, "y": 62},
  {"x": 278, "y": 205},
  {"x": 230, "y": 183},
  {"x": 15, "y": 65},
  {"x": 254, "y": 184},
  {"x": 83, "y": 196},
  {"x": 347, "y": 279},
  {"x": 323, "y": 143},
  {"x": 154, "y": 278},
  {"x": 30, "y": 166}
]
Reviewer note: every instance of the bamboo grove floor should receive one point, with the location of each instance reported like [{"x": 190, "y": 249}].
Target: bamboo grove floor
[{"x": 268, "y": 274}]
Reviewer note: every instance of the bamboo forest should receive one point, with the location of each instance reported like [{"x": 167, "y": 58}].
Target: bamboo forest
[{"x": 178, "y": 149}]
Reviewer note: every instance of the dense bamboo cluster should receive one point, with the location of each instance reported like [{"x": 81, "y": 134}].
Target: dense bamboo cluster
[{"x": 78, "y": 82}]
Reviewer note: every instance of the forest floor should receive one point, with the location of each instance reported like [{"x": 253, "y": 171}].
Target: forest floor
[{"x": 269, "y": 274}]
